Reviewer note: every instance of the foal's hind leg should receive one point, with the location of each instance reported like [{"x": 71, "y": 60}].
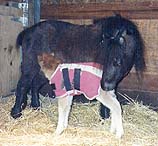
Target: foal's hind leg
[
  {"x": 64, "y": 106},
  {"x": 109, "y": 99}
]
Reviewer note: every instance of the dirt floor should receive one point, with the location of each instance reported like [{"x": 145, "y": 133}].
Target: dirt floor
[{"x": 35, "y": 128}]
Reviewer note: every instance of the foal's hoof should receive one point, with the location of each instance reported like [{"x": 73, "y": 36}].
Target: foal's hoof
[
  {"x": 119, "y": 133},
  {"x": 58, "y": 132}
]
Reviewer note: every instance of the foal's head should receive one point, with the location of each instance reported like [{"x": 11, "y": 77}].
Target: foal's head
[{"x": 124, "y": 48}]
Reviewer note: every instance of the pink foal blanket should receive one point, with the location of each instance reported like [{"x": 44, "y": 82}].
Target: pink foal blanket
[{"x": 89, "y": 80}]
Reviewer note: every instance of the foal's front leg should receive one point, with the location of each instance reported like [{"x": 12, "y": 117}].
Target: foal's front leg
[
  {"x": 108, "y": 98},
  {"x": 64, "y": 106}
]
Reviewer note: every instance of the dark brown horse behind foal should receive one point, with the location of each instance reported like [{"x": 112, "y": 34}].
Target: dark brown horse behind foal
[{"x": 114, "y": 43}]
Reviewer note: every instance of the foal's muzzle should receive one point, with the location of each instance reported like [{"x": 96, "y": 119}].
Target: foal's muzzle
[{"x": 107, "y": 86}]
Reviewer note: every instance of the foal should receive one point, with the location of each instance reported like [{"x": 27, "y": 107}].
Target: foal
[{"x": 49, "y": 65}]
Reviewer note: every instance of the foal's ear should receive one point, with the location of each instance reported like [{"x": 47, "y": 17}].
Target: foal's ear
[
  {"x": 124, "y": 33},
  {"x": 122, "y": 39}
]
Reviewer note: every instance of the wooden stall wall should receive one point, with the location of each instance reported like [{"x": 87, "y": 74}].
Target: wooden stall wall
[{"x": 9, "y": 54}]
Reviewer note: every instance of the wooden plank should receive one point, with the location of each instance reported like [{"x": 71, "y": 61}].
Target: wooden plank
[
  {"x": 31, "y": 12},
  {"x": 114, "y": 6},
  {"x": 5, "y": 2},
  {"x": 37, "y": 10},
  {"x": 134, "y": 10},
  {"x": 10, "y": 11},
  {"x": 96, "y": 15},
  {"x": 148, "y": 83},
  {"x": 2, "y": 1},
  {"x": 9, "y": 54}
]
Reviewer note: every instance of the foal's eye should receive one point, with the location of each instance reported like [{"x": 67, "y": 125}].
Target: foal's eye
[{"x": 117, "y": 62}]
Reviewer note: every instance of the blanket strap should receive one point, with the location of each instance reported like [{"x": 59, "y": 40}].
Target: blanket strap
[
  {"x": 66, "y": 78},
  {"x": 77, "y": 79}
]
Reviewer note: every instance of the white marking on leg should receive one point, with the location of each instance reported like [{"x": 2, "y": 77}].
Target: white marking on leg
[
  {"x": 64, "y": 106},
  {"x": 113, "y": 125},
  {"x": 109, "y": 99},
  {"x": 67, "y": 111},
  {"x": 60, "y": 125}
]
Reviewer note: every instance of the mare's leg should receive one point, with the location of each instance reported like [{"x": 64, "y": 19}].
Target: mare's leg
[
  {"x": 21, "y": 97},
  {"x": 35, "y": 103},
  {"x": 38, "y": 81},
  {"x": 40, "y": 84},
  {"x": 29, "y": 69},
  {"x": 109, "y": 99},
  {"x": 64, "y": 106}
]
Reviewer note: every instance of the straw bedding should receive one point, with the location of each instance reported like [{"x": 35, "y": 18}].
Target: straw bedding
[{"x": 36, "y": 127}]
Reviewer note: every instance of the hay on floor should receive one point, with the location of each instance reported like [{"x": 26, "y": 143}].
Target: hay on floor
[{"x": 35, "y": 128}]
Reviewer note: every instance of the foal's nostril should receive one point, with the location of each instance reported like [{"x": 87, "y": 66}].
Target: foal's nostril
[
  {"x": 107, "y": 89},
  {"x": 107, "y": 86}
]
